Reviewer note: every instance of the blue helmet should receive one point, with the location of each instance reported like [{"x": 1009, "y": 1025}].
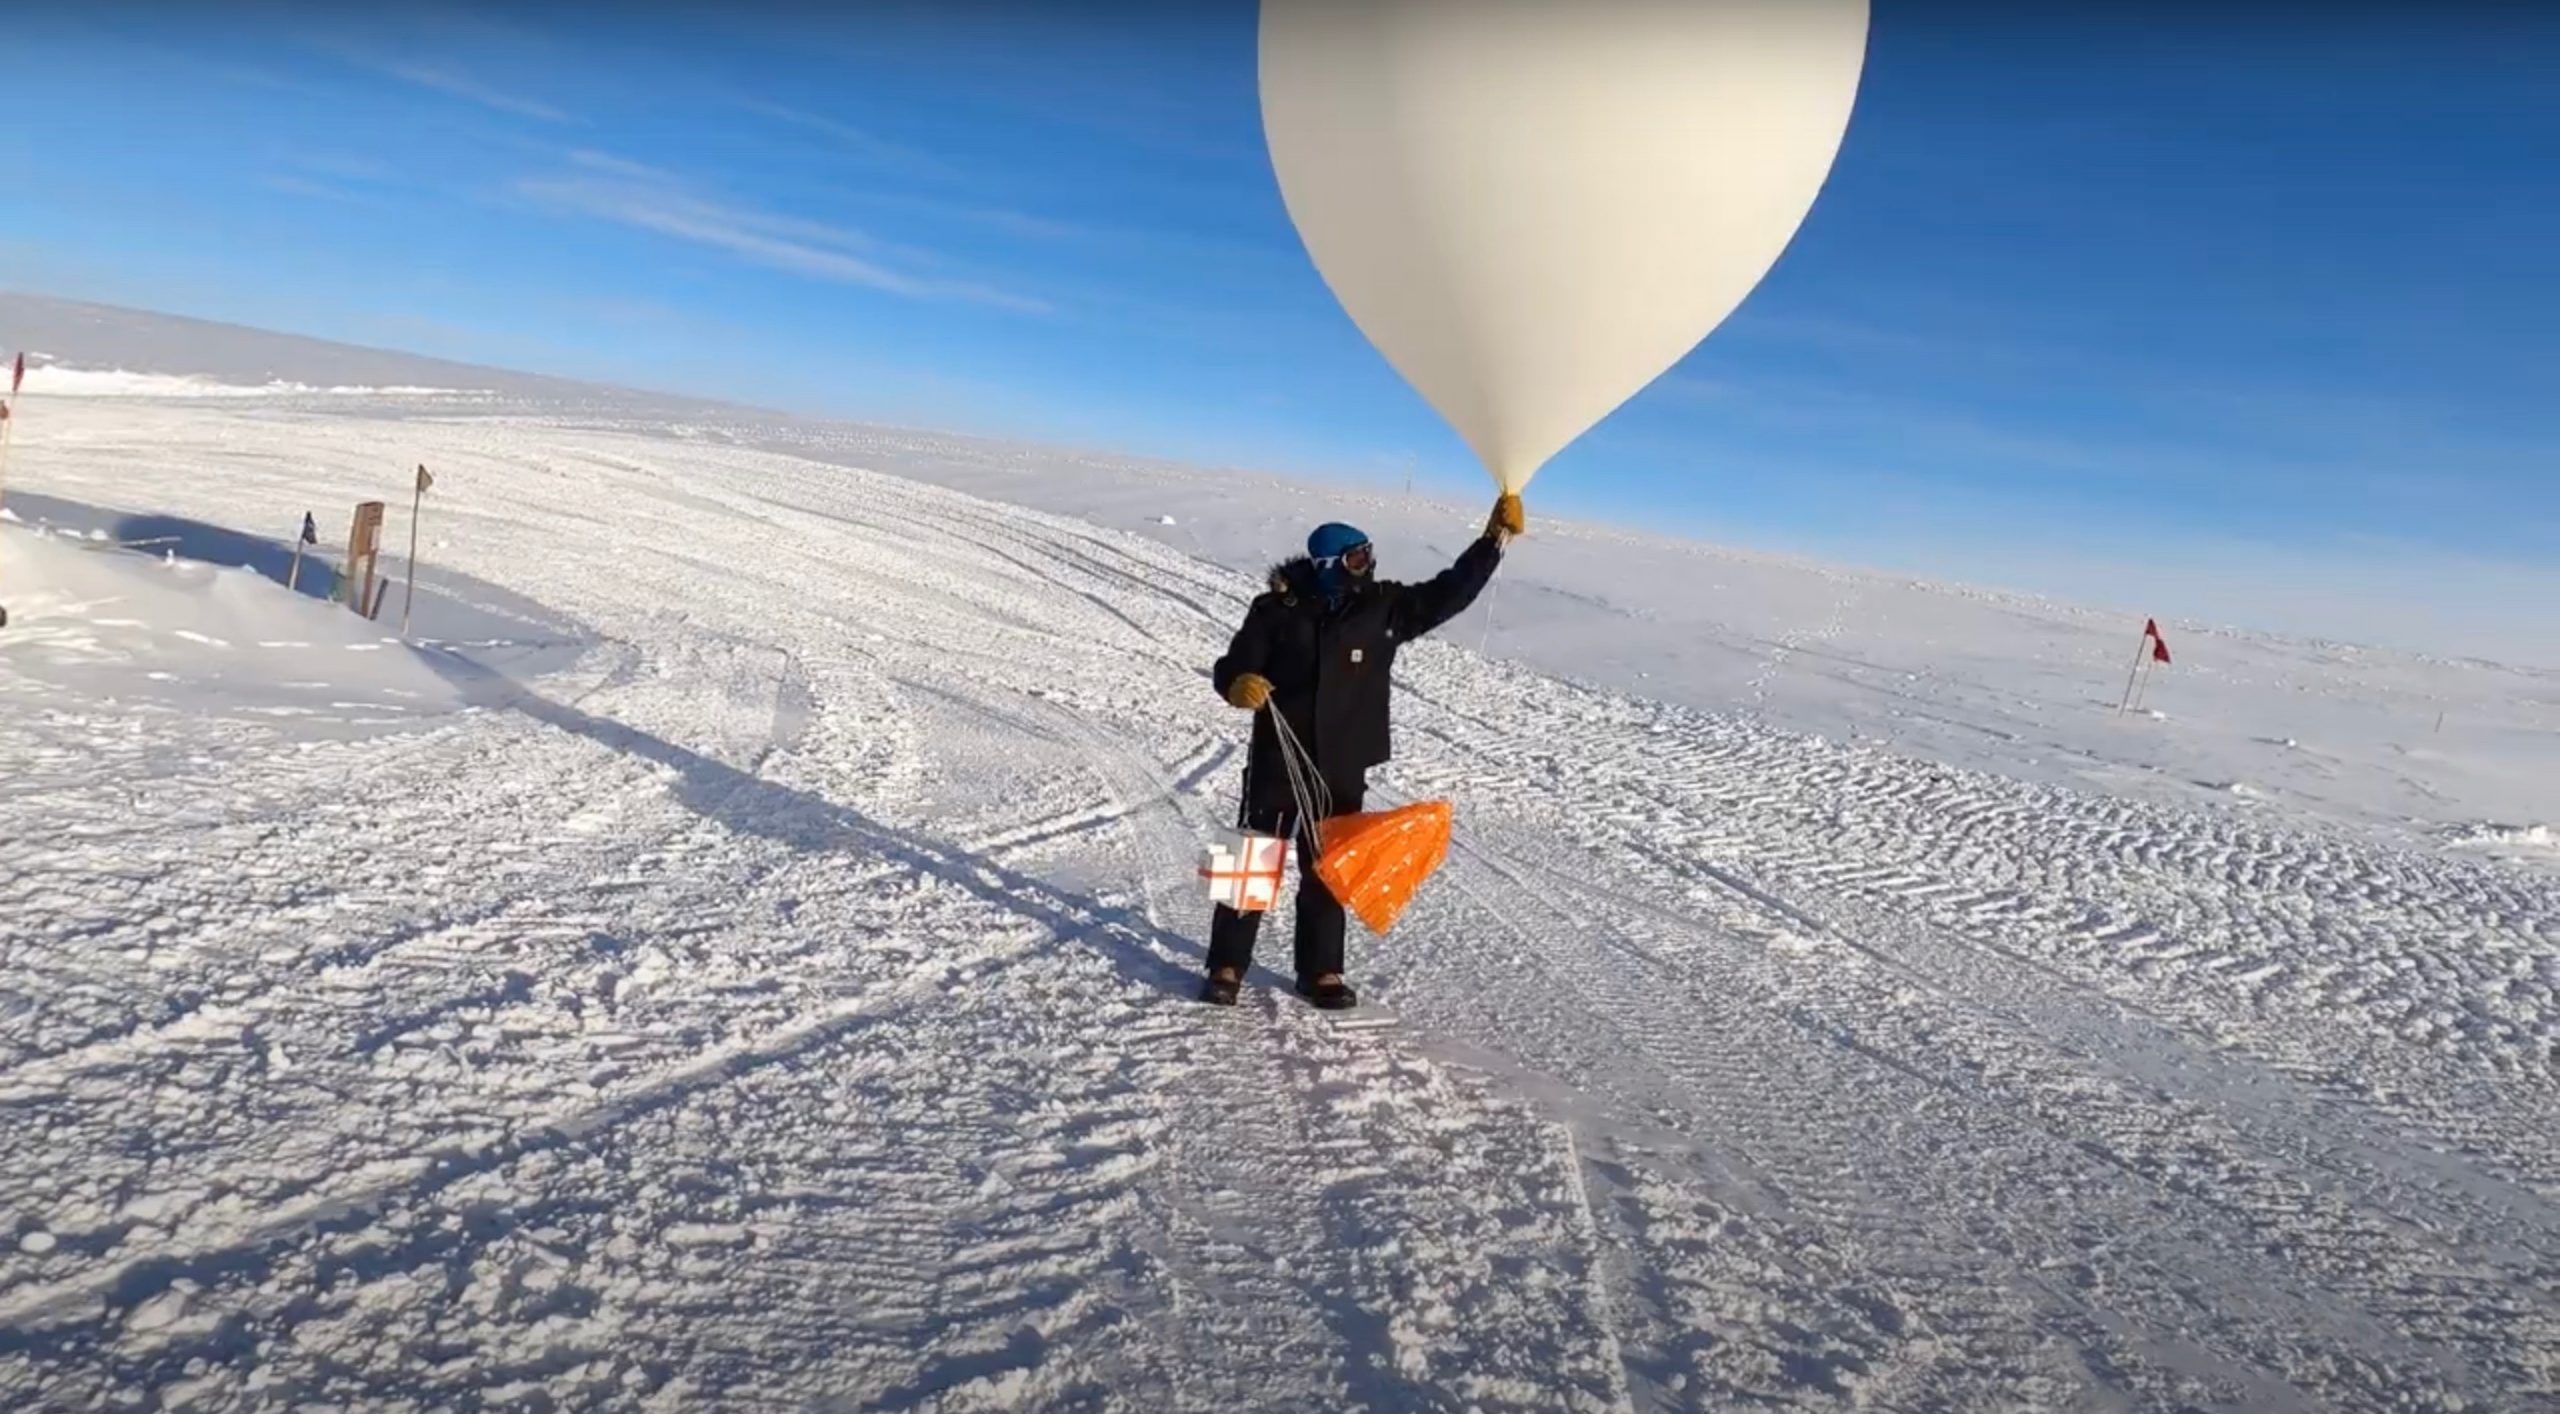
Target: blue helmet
[
  {"x": 1328, "y": 546},
  {"x": 1330, "y": 541}
]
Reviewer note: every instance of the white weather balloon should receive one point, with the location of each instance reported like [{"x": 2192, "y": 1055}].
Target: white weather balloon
[{"x": 1534, "y": 207}]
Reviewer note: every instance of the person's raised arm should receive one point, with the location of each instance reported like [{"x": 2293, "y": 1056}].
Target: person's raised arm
[{"x": 1426, "y": 606}]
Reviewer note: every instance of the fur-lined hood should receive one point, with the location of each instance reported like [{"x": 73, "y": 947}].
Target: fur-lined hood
[
  {"x": 1294, "y": 579},
  {"x": 1294, "y": 575}
]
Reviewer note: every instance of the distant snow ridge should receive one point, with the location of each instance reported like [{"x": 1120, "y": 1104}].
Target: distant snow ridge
[
  {"x": 2520, "y": 837},
  {"x": 62, "y": 381}
]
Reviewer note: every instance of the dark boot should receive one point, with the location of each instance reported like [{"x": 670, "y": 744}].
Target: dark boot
[
  {"x": 1329, "y": 992},
  {"x": 1221, "y": 986}
]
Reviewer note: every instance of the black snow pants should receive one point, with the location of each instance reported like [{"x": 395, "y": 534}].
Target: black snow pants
[{"x": 1321, "y": 920}]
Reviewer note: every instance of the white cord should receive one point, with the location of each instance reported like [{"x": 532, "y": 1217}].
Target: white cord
[{"x": 1306, "y": 783}]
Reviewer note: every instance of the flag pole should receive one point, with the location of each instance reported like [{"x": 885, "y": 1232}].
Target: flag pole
[
  {"x": 9, "y": 421},
  {"x": 8, "y": 425},
  {"x": 293, "y": 576},
  {"x": 8, "y": 432},
  {"x": 2130, "y": 673},
  {"x": 2142, "y": 693},
  {"x": 417, "y": 499}
]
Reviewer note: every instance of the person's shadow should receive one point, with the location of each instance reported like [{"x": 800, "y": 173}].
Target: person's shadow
[{"x": 753, "y": 805}]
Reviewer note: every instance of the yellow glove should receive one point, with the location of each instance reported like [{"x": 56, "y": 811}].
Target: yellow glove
[
  {"x": 1508, "y": 518},
  {"x": 1249, "y": 691}
]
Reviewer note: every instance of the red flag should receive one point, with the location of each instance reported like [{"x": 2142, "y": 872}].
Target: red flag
[
  {"x": 17, "y": 374},
  {"x": 2159, "y": 645}
]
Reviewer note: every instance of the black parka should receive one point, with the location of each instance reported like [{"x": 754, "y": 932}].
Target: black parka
[{"x": 1328, "y": 664}]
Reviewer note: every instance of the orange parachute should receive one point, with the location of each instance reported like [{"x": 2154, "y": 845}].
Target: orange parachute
[
  {"x": 1375, "y": 861},
  {"x": 1372, "y": 861}
]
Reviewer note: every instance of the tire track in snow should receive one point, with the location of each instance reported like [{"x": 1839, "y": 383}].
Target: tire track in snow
[
  {"x": 1728, "y": 1079},
  {"x": 2452, "y": 1319},
  {"x": 29, "y": 1307},
  {"x": 2208, "y": 1180},
  {"x": 1353, "y": 1094}
]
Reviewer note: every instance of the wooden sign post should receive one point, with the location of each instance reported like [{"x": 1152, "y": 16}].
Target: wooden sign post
[{"x": 363, "y": 548}]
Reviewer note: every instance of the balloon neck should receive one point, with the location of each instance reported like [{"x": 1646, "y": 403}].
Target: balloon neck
[{"x": 1509, "y": 478}]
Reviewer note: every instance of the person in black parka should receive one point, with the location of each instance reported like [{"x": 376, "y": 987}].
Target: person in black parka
[{"x": 1317, "y": 649}]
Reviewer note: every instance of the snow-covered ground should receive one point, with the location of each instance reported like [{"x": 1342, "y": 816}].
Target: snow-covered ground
[{"x": 740, "y": 957}]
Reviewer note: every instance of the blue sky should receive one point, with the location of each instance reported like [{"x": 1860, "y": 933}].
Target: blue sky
[{"x": 2244, "y": 317}]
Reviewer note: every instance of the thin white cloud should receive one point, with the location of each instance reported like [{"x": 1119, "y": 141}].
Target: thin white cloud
[
  {"x": 471, "y": 90},
  {"x": 1005, "y": 219},
  {"x": 595, "y": 161},
  {"x": 871, "y": 150},
  {"x": 636, "y": 196},
  {"x": 355, "y": 178},
  {"x": 866, "y": 146}
]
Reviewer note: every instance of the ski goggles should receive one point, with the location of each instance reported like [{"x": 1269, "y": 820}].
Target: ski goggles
[{"x": 1357, "y": 559}]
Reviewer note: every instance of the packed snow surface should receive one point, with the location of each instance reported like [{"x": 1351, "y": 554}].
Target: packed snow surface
[{"x": 736, "y": 952}]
